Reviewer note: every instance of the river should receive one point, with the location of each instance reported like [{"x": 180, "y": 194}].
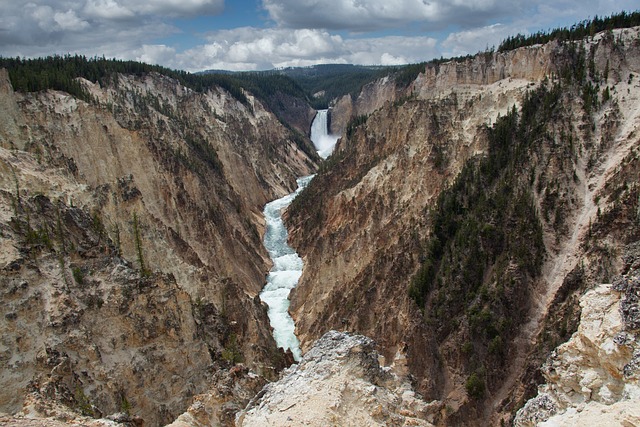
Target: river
[{"x": 287, "y": 265}]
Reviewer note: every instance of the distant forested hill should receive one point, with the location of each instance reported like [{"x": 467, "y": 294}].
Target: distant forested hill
[{"x": 321, "y": 83}]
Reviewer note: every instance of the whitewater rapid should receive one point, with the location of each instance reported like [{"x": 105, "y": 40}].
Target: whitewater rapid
[
  {"x": 287, "y": 265},
  {"x": 285, "y": 273}
]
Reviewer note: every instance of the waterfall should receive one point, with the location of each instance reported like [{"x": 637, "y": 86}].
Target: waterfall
[
  {"x": 320, "y": 136},
  {"x": 284, "y": 275}
]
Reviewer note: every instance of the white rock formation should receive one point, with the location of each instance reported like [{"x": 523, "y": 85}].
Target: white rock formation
[
  {"x": 339, "y": 381},
  {"x": 593, "y": 379}
]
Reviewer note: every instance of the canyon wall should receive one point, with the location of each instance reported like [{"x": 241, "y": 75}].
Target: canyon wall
[
  {"x": 491, "y": 311},
  {"x": 131, "y": 242},
  {"x": 443, "y": 79},
  {"x": 592, "y": 379}
]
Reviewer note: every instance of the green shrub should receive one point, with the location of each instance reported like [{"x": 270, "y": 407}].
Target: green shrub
[
  {"x": 83, "y": 404},
  {"x": 496, "y": 346},
  {"x": 475, "y": 386},
  {"x": 232, "y": 353},
  {"x": 78, "y": 275}
]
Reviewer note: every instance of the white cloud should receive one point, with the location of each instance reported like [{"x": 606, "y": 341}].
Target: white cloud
[
  {"x": 107, "y": 9},
  {"x": 388, "y": 59},
  {"x": 475, "y": 40},
  {"x": 119, "y": 28},
  {"x": 125, "y": 9},
  {"x": 155, "y": 54},
  {"x": 360, "y": 15},
  {"x": 391, "y": 50},
  {"x": 250, "y": 48},
  {"x": 41, "y": 15},
  {"x": 176, "y": 7},
  {"x": 69, "y": 21},
  {"x": 255, "y": 49},
  {"x": 303, "y": 33}
]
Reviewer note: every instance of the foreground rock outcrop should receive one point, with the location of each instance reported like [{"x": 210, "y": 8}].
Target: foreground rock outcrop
[
  {"x": 230, "y": 392},
  {"x": 338, "y": 382},
  {"x": 594, "y": 378}
]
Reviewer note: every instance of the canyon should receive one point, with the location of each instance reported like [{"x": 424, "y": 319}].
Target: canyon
[
  {"x": 131, "y": 264},
  {"x": 366, "y": 224},
  {"x": 469, "y": 248}
]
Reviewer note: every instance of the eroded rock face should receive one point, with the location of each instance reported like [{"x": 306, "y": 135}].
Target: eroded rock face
[
  {"x": 372, "y": 96},
  {"x": 594, "y": 378},
  {"x": 531, "y": 64},
  {"x": 361, "y": 237},
  {"x": 83, "y": 329},
  {"x": 339, "y": 381},
  {"x": 230, "y": 392},
  {"x": 363, "y": 223},
  {"x": 131, "y": 254}
]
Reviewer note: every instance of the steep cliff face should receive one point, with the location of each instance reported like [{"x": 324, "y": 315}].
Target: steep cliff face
[
  {"x": 592, "y": 379},
  {"x": 442, "y": 80},
  {"x": 131, "y": 250},
  {"x": 81, "y": 326},
  {"x": 364, "y": 230},
  {"x": 373, "y": 96},
  {"x": 530, "y": 217},
  {"x": 293, "y": 111}
]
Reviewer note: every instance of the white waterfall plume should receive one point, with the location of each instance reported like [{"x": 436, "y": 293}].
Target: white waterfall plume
[{"x": 320, "y": 136}]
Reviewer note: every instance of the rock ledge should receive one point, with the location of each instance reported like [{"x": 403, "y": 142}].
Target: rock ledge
[{"x": 339, "y": 381}]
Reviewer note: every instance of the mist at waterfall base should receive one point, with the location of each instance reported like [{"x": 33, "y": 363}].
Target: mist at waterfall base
[
  {"x": 323, "y": 141},
  {"x": 287, "y": 265}
]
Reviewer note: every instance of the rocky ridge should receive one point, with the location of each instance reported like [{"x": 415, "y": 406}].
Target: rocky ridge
[
  {"x": 229, "y": 394},
  {"x": 361, "y": 225},
  {"x": 131, "y": 243},
  {"x": 338, "y": 382},
  {"x": 440, "y": 80},
  {"x": 594, "y": 378}
]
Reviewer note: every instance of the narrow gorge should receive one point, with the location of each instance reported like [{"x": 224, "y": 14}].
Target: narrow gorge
[
  {"x": 132, "y": 257},
  {"x": 287, "y": 265},
  {"x": 452, "y": 243}
]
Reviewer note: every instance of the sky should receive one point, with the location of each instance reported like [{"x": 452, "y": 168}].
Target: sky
[{"x": 243, "y": 35}]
